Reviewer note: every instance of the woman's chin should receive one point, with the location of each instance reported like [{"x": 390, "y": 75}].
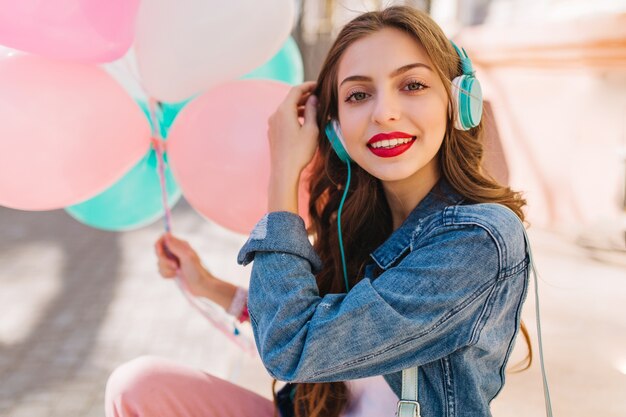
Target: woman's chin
[{"x": 392, "y": 175}]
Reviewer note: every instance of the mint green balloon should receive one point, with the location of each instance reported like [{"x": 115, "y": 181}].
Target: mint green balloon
[
  {"x": 135, "y": 200},
  {"x": 285, "y": 66},
  {"x": 132, "y": 202}
]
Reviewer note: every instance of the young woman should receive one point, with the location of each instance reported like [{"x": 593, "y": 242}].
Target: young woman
[{"x": 436, "y": 264}]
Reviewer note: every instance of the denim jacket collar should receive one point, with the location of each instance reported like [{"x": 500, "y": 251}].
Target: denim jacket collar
[{"x": 440, "y": 196}]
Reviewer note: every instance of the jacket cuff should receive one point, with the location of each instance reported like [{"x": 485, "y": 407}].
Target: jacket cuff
[
  {"x": 280, "y": 231},
  {"x": 238, "y": 303}
]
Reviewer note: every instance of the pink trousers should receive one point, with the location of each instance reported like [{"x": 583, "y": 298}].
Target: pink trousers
[{"x": 155, "y": 387}]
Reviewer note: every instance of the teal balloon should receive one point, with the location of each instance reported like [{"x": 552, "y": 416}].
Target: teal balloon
[
  {"x": 135, "y": 200},
  {"x": 285, "y": 66}
]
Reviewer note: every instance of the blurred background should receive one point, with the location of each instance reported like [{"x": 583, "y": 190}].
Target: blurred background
[{"x": 79, "y": 296}]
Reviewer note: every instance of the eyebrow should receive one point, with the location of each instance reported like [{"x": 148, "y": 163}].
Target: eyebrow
[{"x": 393, "y": 74}]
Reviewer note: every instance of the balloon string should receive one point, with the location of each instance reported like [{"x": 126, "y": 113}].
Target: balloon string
[
  {"x": 159, "y": 144},
  {"x": 159, "y": 147}
]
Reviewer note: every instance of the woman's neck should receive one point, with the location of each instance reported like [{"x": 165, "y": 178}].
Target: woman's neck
[{"x": 404, "y": 195}]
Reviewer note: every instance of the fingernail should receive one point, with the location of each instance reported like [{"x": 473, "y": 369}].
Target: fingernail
[{"x": 313, "y": 99}]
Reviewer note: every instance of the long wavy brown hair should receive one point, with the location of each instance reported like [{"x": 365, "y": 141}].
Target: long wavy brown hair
[{"x": 366, "y": 217}]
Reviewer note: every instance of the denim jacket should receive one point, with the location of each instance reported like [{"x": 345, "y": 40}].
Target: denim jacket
[{"x": 444, "y": 292}]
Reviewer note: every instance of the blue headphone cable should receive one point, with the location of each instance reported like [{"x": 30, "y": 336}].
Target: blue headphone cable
[{"x": 343, "y": 256}]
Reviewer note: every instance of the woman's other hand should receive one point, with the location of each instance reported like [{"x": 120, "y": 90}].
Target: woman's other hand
[{"x": 184, "y": 261}]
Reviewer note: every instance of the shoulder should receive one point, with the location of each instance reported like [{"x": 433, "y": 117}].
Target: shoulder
[
  {"x": 493, "y": 216},
  {"x": 499, "y": 222}
]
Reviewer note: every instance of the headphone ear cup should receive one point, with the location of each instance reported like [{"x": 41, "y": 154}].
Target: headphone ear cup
[
  {"x": 333, "y": 134},
  {"x": 457, "y": 103},
  {"x": 468, "y": 99}
]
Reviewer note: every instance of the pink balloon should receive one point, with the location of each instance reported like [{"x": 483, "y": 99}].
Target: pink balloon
[
  {"x": 219, "y": 152},
  {"x": 89, "y": 31},
  {"x": 67, "y": 132}
]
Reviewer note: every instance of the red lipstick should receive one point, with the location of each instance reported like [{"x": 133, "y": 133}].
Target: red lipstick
[{"x": 393, "y": 151}]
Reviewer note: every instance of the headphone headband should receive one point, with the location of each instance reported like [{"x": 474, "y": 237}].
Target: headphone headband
[{"x": 466, "y": 63}]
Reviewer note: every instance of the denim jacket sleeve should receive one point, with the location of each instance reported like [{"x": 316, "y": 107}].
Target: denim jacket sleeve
[{"x": 430, "y": 304}]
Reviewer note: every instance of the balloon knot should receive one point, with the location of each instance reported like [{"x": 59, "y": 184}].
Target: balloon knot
[{"x": 158, "y": 144}]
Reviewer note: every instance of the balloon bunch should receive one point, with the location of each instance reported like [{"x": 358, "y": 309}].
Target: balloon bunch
[{"x": 74, "y": 138}]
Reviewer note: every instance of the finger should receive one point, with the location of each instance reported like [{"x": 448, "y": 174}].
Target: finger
[
  {"x": 303, "y": 98},
  {"x": 158, "y": 247},
  {"x": 167, "y": 273},
  {"x": 169, "y": 255},
  {"x": 167, "y": 268},
  {"x": 165, "y": 263},
  {"x": 177, "y": 247},
  {"x": 163, "y": 252},
  {"x": 296, "y": 92},
  {"x": 310, "y": 111}
]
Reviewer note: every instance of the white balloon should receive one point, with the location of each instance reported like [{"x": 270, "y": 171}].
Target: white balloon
[{"x": 186, "y": 46}]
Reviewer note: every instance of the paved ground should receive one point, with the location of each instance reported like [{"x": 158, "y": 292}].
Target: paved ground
[{"x": 75, "y": 302}]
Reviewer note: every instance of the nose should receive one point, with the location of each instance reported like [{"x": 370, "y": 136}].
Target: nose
[{"x": 386, "y": 109}]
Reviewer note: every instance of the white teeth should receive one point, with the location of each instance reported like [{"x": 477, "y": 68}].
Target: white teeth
[{"x": 390, "y": 143}]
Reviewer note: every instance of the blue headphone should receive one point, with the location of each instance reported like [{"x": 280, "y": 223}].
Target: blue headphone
[
  {"x": 466, "y": 94},
  {"x": 468, "y": 101},
  {"x": 333, "y": 133}
]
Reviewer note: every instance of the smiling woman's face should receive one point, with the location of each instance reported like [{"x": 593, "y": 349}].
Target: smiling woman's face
[{"x": 387, "y": 83}]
